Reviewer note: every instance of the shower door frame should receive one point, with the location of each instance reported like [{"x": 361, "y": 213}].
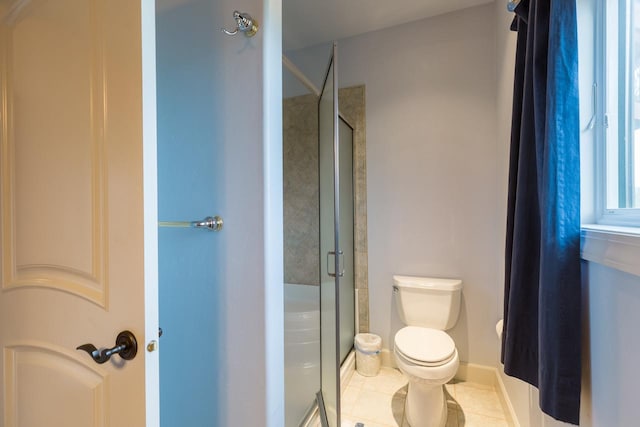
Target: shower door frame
[{"x": 332, "y": 68}]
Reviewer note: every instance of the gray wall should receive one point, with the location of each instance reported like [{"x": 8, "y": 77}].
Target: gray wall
[
  {"x": 610, "y": 369},
  {"x": 432, "y": 162}
]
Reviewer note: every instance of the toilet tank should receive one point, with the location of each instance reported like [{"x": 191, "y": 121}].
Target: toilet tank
[{"x": 427, "y": 301}]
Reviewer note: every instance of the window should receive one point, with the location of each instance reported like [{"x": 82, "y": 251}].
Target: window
[
  {"x": 618, "y": 136},
  {"x": 610, "y": 116}
]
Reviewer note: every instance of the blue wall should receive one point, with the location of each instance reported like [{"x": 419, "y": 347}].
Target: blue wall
[{"x": 190, "y": 288}]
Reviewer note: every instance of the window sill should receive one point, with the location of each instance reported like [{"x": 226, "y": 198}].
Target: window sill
[{"x": 615, "y": 247}]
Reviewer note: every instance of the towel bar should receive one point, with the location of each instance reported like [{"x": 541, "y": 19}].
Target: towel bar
[{"x": 209, "y": 223}]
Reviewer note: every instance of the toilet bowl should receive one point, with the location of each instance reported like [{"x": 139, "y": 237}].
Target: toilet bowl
[
  {"x": 429, "y": 359},
  {"x": 423, "y": 351}
]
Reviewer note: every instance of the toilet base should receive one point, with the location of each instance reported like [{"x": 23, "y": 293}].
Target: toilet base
[{"x": 425, "y": 405}]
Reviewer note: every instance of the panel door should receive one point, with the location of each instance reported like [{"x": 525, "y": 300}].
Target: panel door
[{"x": 77, "y": 212}]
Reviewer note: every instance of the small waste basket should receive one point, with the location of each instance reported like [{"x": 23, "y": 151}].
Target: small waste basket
[{"x": 368, "y": 348}]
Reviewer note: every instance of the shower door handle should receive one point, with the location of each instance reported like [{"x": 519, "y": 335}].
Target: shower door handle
[{"x": 340, "y": 254}]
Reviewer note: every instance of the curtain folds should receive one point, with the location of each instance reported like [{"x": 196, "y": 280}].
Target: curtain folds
[{"x": 541, "y": 340}]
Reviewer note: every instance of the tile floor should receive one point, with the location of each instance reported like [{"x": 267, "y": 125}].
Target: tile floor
[{"x": 379, "y": 402}]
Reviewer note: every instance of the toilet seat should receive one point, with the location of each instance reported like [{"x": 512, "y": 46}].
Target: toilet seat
[{"x": 424, "y": 346}]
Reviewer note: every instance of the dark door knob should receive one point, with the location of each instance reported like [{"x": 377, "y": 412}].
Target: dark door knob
[{"x": 126, "y": 346}]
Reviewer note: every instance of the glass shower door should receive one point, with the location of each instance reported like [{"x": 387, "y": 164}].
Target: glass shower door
[
  {"x": 347, "y": 288},
  {"x": 330, "y": 258}
]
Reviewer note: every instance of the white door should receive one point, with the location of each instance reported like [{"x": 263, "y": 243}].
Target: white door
[{"x": 77, "y": 212}]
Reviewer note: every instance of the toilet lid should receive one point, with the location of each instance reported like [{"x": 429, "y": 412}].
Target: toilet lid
[{"x": 424, "y": 344}]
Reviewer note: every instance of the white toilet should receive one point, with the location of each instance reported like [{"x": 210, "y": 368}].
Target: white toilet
[{"x": 423, "y": 351}]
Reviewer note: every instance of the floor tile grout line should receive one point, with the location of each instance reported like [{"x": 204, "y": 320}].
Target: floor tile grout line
[{"x": 377, "y": 385}]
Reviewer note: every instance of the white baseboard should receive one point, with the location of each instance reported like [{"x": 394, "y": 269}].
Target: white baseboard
[
  {"x": 490, "y": 376},
  {"x": 506, "y": 402},
  {"x": 386, "y": 358},
  {"x": 480, "y": 374}
]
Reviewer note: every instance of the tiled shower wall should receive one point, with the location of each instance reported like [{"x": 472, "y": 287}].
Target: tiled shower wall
[
  {"x": 352, "y": 108},
  {"x": 301, "y": 208},
  {"x": 301, "y": 200}
]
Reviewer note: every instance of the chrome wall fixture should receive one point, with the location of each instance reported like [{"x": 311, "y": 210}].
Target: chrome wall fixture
[
  {"x": 210, "y": 223},
  {"x": 244, "y": 24}
]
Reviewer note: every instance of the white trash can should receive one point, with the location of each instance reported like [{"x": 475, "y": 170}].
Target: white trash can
[{"x": 368, "y": 348}]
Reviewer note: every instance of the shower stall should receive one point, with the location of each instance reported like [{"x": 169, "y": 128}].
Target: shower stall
[{"x": 318, "y": 244}]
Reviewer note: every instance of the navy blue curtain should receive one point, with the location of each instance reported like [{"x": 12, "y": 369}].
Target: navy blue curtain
[{"x": 541, "y": 339}]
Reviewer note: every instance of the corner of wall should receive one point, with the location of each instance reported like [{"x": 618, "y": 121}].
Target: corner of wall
[
  {"x": 273, "y": 212},
  {"x": 514, "y": 393}
]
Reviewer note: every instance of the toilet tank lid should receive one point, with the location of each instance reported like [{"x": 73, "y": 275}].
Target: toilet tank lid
[{"x": 427, "y": 282}]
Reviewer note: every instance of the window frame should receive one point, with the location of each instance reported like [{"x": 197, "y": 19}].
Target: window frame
[
  {"x": 608, "y": 237},
  {"x": 604, "y": 113}
]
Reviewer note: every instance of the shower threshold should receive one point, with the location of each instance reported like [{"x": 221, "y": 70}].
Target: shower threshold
[{"x": 347, "y": 369}]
